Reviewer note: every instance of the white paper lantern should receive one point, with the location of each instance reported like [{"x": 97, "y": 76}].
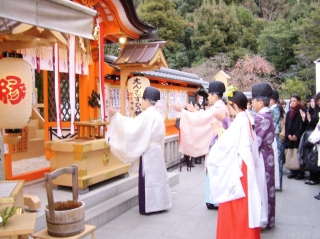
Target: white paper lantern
[
  {"x": 15, "y": 91},
  {"x": 136, "y": 86}
]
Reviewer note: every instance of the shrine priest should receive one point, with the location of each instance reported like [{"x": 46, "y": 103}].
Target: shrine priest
[
  {"x": 140, "y": 141},
  {"x": 261, "y": 93}
]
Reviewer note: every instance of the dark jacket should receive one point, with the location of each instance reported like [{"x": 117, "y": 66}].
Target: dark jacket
[{"x": 294, "y": 126}]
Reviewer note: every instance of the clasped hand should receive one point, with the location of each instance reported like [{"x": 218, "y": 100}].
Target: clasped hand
[
  {"x": 178, "y": 107},
  {"x": 292, "y": 137}
]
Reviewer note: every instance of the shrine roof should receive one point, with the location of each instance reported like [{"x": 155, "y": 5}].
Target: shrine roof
[
  {"x": 149, "y": 31},
  {"x": 166, "y": 73},
  {"x": 120, "y": 20},
  {"x": 139, "y": 54}
]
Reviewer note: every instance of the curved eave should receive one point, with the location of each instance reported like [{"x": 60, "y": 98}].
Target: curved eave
[
  {"x": 121, "y": 13},
  {"x": 145, "y": 54},
  {"x": 150, "y": 32}
]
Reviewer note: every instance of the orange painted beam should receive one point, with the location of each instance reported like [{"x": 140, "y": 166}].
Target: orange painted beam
[
  {"x": 107, "y": 69},
  {"x": 86, "y": 85},
  {"x": 83, "y": 100},
  {"x": 112, "y": 29},
  {"x": 104, "y": 16},
  {"x": 30, "y": 176},
  {"x": 8, "y": 165}
]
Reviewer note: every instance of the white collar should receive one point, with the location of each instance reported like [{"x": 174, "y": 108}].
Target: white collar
[
  {"x": 264, "y": 110},
  {"x": 273, "y": 106}
]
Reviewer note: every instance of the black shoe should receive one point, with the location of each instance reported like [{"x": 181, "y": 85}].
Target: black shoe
[
  {"x": 292, "y": 176},
  {"x": 299, "y": 177},
  {"x": 317, "y": 197},
  {"x": 212, "y": 206},
  {"x": 312, "y": 182}
]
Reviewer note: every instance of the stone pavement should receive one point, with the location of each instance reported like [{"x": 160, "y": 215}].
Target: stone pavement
[{"x": 297, "y": 214}]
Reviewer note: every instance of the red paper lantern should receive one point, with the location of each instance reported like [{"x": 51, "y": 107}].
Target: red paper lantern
[{"x": 15, "y": 91}]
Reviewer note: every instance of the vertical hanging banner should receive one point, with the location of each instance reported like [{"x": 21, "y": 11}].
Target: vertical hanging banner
[
  {"x": 72, "y": 80},
  {"x": 136, "y": 87},
  {"x": 63, "y": 61},
  {"x": 46, "y": 58},
  {"x": 57, "y": 88},
  {"x": 101, "y": 73},
  {"x": 30, "y": 55}
]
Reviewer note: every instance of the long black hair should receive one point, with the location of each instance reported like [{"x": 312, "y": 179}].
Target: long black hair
[{"x": 240, "y": 99}]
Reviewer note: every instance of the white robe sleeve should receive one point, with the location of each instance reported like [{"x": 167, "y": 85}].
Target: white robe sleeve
[
  {"x": 128, "y": 137},
  {"x": 224, "y": 166}
]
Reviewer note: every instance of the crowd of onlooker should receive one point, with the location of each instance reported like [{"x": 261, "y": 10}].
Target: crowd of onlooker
[{"x": 300, "y": 122}]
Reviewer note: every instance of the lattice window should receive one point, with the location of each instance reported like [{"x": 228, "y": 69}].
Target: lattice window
[{"x": 64, "y": 98}]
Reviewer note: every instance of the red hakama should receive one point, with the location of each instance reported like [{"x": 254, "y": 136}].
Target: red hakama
[{"x": 233, "y": 216}]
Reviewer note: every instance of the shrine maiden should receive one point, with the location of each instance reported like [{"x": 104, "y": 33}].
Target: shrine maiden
[
  {"x": 142, "y": 137},
  {"x": 233, "y": 168}
]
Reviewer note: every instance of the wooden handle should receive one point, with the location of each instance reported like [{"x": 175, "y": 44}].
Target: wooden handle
[{"x": 48, "y": 181}]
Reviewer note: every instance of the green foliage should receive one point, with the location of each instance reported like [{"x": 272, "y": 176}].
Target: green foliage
[
  {"x": 177, "y": 58},
  {"x": 308, "y": 29},
  {"x": 198, "y": 61},
  {"x": 237, "y": 54},
  {"x": 163, "y": 15},
  {"x": 216, "y": 29},
  {"x": 295, "y": 86},
  {"x": 112, "y": 49},
  {"x": 187, "y": 6},
  {"x": 286, "y": 32},
  {"x": 276, "y": 42},
  {"x": 5, "y": 214}
]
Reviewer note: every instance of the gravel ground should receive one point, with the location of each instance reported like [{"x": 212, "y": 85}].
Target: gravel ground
[{"x": 28, "y": 165}]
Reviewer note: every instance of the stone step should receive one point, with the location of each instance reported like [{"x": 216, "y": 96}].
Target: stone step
[
  {"x": 104, "y": 201},
  {"x": 33, "y": 122},
  {"x": 40, "y": 133}
]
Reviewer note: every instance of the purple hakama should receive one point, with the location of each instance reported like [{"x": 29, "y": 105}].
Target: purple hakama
[{"x": 265, "y": 132}]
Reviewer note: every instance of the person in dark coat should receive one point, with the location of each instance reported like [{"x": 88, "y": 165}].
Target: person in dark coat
[
  {"x": 311, "y": 119},
  {"x": 294, "y": 128}
]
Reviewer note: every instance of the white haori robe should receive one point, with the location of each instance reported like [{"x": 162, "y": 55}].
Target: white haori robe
[
  {"x": 130, "y": 138},
  {"x": 237, "y": 144},
  {"x": 196, "y": 131},
  {"x": 276, "y": 164}
]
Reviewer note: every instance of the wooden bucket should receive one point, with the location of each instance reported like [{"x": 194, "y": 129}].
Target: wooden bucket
[{"x": 64, "y": 218}]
